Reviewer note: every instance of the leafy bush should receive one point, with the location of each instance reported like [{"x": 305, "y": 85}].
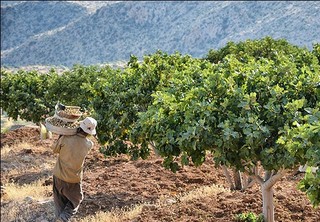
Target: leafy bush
[{"x": 249, "y": 217}]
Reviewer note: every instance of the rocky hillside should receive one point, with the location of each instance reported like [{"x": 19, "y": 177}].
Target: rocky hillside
[
  {"x": 69, "y": 32},
  {"x": 26, "y": 21}
]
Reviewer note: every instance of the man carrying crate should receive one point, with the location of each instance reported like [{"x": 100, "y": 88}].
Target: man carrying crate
[{"x": 68, "y": 171}]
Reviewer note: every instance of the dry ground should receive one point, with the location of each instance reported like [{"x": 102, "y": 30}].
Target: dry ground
[{"x": 140, "y": 191}]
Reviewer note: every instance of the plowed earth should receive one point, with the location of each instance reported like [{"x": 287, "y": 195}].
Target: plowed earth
[{"x": 118, "y": 182}]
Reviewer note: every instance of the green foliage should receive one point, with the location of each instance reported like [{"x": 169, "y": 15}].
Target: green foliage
[
  {"x": 252, "y": 102},
  {"x": 116, "y": 105},
  {"x": 316, "y": 50},
  {"x": 311, "y": 185},
  {"x": 237, "y": 108},
  {"x": 128, "y": 93},
  {"x": 249, "y": 217},
  {"x": 304, "y": 141},
  {"x": 26, "y": 94},
  {"x": 32, "y": 95},
  {"x": 74, "y": 87},
  {"x": 176, "y": 118},
  {"x": 260, "y": 48}
]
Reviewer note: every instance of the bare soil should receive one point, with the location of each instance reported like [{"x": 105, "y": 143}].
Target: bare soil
[{"x": 118, "y": 182}]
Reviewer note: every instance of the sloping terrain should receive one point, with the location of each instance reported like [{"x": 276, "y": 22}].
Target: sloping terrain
[
  {"x": 115, "y": 31},
  {"x": 21, "y": 23},
  {"x": 118, "y": 183}
]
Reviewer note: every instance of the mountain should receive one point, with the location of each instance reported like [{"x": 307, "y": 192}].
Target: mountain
[
  {"x": 64, "y": 33},
  {"x": 21, "y": 22}
]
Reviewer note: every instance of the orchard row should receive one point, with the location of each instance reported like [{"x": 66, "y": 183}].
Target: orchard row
[{"x": 250, "y": 103}]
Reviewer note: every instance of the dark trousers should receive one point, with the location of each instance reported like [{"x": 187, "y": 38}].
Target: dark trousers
[{"x": 67, "y": 198}]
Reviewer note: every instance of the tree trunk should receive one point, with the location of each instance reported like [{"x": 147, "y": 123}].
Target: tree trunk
[
  {"x": 237, "y": 180},
  {"x": 237, "y": 183},
  {"x": 227, "y": 175},
  {"x": 247, "y": 182},
  {"x": 267, "y": 192},
  {"x": 267, "y": 205}
]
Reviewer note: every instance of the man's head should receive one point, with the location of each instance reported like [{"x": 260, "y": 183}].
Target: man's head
[{"x": 89, "y": 125}]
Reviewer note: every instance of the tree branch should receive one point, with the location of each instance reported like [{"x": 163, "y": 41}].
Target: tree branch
[
  {"x": 255, "y": 175},
  {"x": 273, "y": 179},
  {"x": 156, "y": 151}
]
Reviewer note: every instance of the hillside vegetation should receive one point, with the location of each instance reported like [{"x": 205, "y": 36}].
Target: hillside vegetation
[{"x": 65, "y": 33}]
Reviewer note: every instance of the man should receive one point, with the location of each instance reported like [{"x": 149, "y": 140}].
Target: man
[{"x": 68, "y": 171}]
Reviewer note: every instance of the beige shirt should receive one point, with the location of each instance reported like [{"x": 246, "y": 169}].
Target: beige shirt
[{"x": 72, "y": 152}]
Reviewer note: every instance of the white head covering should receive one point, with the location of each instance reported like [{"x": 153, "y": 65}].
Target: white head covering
[{"x": 89, "y": 125}]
